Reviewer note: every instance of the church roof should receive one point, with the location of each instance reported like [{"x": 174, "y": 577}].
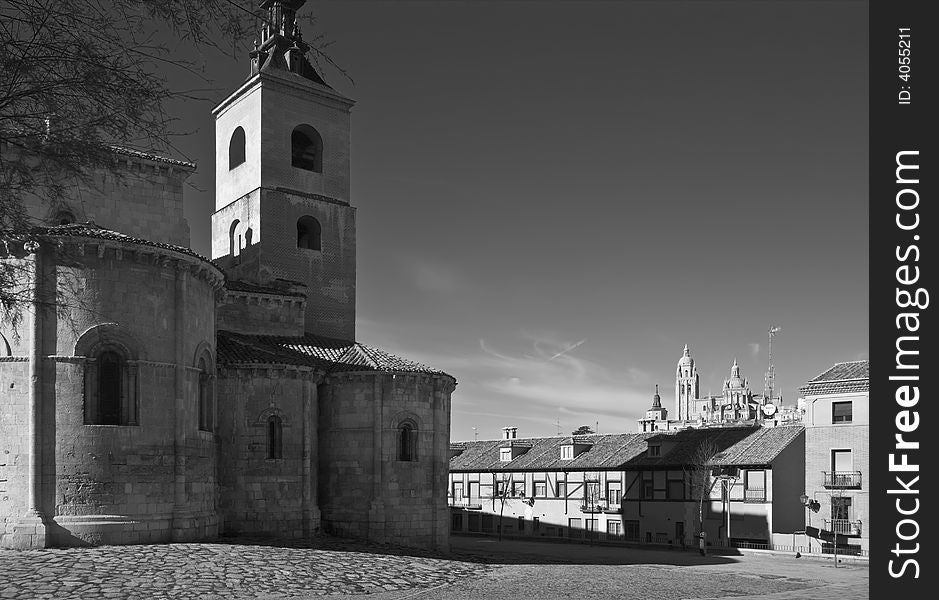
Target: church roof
[
  {"x": 329, "y": 354},
  {"x": 737, "y": 446},
  {"x": 154, "y": 157},
  {"x": 842, "y": 378},
  {"x": 93, "y": 231}
]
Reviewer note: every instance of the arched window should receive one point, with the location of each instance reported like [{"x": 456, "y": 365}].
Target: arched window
[
  {"x": 407, "y": 442},
  {"x": 236, "y": 148},
  {"x": 206, "y": 412},
  {"x": 234, "y": 245},
  {"x": 110, "y": 374},
  {"x": 275, "y": 437},
  {"x": 306, "y": 147},
  {"x": 109, "y": 388},
  {"x": 248, "y": 235},
  {"x": 63, "y": 217},
  {"x": 309, "y": 233}
]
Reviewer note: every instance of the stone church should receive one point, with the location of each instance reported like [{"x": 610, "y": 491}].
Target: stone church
[{"x": 176, "y": 398}]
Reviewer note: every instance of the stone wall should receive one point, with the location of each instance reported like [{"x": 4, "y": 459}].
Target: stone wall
[
  {"x": 261, "y": 313},
  {"x": 14, "y": 440},
  {"x": 261, "y": 493},
  {"x": 153, "y": 477},
  {"x": 365, "y": 489},
  {"x": 143, "y": 199}
]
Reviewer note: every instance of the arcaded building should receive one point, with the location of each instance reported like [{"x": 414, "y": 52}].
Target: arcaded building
[{"x": 154, "y": 395}]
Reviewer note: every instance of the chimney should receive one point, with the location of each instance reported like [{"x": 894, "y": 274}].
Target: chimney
[{"x": 509, "y": 433}]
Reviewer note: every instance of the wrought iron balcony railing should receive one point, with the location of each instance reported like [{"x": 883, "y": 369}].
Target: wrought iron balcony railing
[
  {"x": 467, "y": 503},
  {"x": 843, "y": 526},
  {"x": 842, "y": 479},
  {"x": 754, "y": 495}
]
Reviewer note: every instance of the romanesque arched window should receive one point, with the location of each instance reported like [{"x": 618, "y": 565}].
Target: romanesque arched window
[
  {"x": 206, "y": 395},
  {"x": 236, "y": 148},
  {"x": 407, "y": 441},
  {"x": 110, "y": 373},
  {"x": 109, "y": 388},
  {"x": 275, "y": 437},
  {"x": 309, "y": 233},
  {"x": 306, "y": 146}
]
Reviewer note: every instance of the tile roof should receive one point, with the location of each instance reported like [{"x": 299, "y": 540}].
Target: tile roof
[
  {"x": 153, "y": 157},
  {"x": 329, "y": 354},
  {"x": 91, "y": 230},
  {"x": 842, "y": 378},
  {"x": 737, "y": 446}
]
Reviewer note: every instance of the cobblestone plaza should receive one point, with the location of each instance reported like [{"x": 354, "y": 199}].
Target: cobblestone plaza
[{"x": 475, "y": 568}]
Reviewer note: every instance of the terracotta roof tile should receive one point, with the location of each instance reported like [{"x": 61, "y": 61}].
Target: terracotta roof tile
[
  {"x": 736, "y": 446},
  {"x": 94, "y": 231},
  {"x": 329, "y": 354},
  {"x": 842, "y": 378}
]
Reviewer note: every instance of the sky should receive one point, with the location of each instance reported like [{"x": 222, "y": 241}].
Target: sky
[{"x": 553, "y": 198}]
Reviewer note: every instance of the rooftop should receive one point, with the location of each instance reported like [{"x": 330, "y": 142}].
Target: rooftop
[
  {"x": 329, "y": 354},
  {"x": 737, "y": 446},
  {"x": 91, "y": 230},
  {"x": 842, "y": 378}
]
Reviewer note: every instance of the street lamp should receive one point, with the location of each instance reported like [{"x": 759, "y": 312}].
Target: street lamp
[
  {"x": 809, "y": 503},
  {"x": 814, "y": 506}
]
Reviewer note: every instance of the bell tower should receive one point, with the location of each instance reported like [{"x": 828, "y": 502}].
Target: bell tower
[
  {"x": 283, "y": 215},
  {"x": 686, "y": 386}
]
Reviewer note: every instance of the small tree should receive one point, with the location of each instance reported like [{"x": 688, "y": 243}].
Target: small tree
[
  {"x": 700, "y": 473},
  {"x": 583, "y": 430},
  {"x": 502, "y": 491}
]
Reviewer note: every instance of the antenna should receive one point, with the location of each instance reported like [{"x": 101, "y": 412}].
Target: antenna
[
  {"x": 770, "y": 381},
  {"x": 559, "y": 425}
]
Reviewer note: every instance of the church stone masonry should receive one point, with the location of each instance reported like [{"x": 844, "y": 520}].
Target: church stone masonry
[{"x": 184, "y": 398}]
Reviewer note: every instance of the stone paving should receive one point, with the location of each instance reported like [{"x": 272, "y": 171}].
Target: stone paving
[
  {"x": 476, "y": 568},
  {"x": 223, "y": 570}
]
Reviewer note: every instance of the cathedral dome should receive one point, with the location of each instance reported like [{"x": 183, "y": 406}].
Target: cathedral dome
[{"x": 735, "y": 381}]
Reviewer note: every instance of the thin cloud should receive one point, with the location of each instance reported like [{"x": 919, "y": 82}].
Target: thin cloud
[{"x": 433, "y": 277}]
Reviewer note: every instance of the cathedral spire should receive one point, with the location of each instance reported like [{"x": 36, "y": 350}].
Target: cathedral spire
[{"x": 656, "y": 400}]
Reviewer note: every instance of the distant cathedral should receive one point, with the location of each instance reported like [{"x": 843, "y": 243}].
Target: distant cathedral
[
  {"x": 182, "y": 398},
  {"x": 735, "y": 405}
]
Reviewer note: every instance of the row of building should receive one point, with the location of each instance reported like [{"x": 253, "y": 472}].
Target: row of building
[{"x": 742, "y": 481}]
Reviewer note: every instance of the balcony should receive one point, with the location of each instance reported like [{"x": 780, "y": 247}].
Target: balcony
[
  {"x": 467, "y": 503},
  {"x": 594, "y": 508},
  {"x": 842, "y": 479},
  {"x": 843, "y": 527},
  {"x": 754, "y": 495}
]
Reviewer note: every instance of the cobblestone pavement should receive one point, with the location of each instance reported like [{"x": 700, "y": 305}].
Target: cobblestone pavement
[
  {"x": 223, "y": 570},
  {"x": 477, "y": 568}
]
